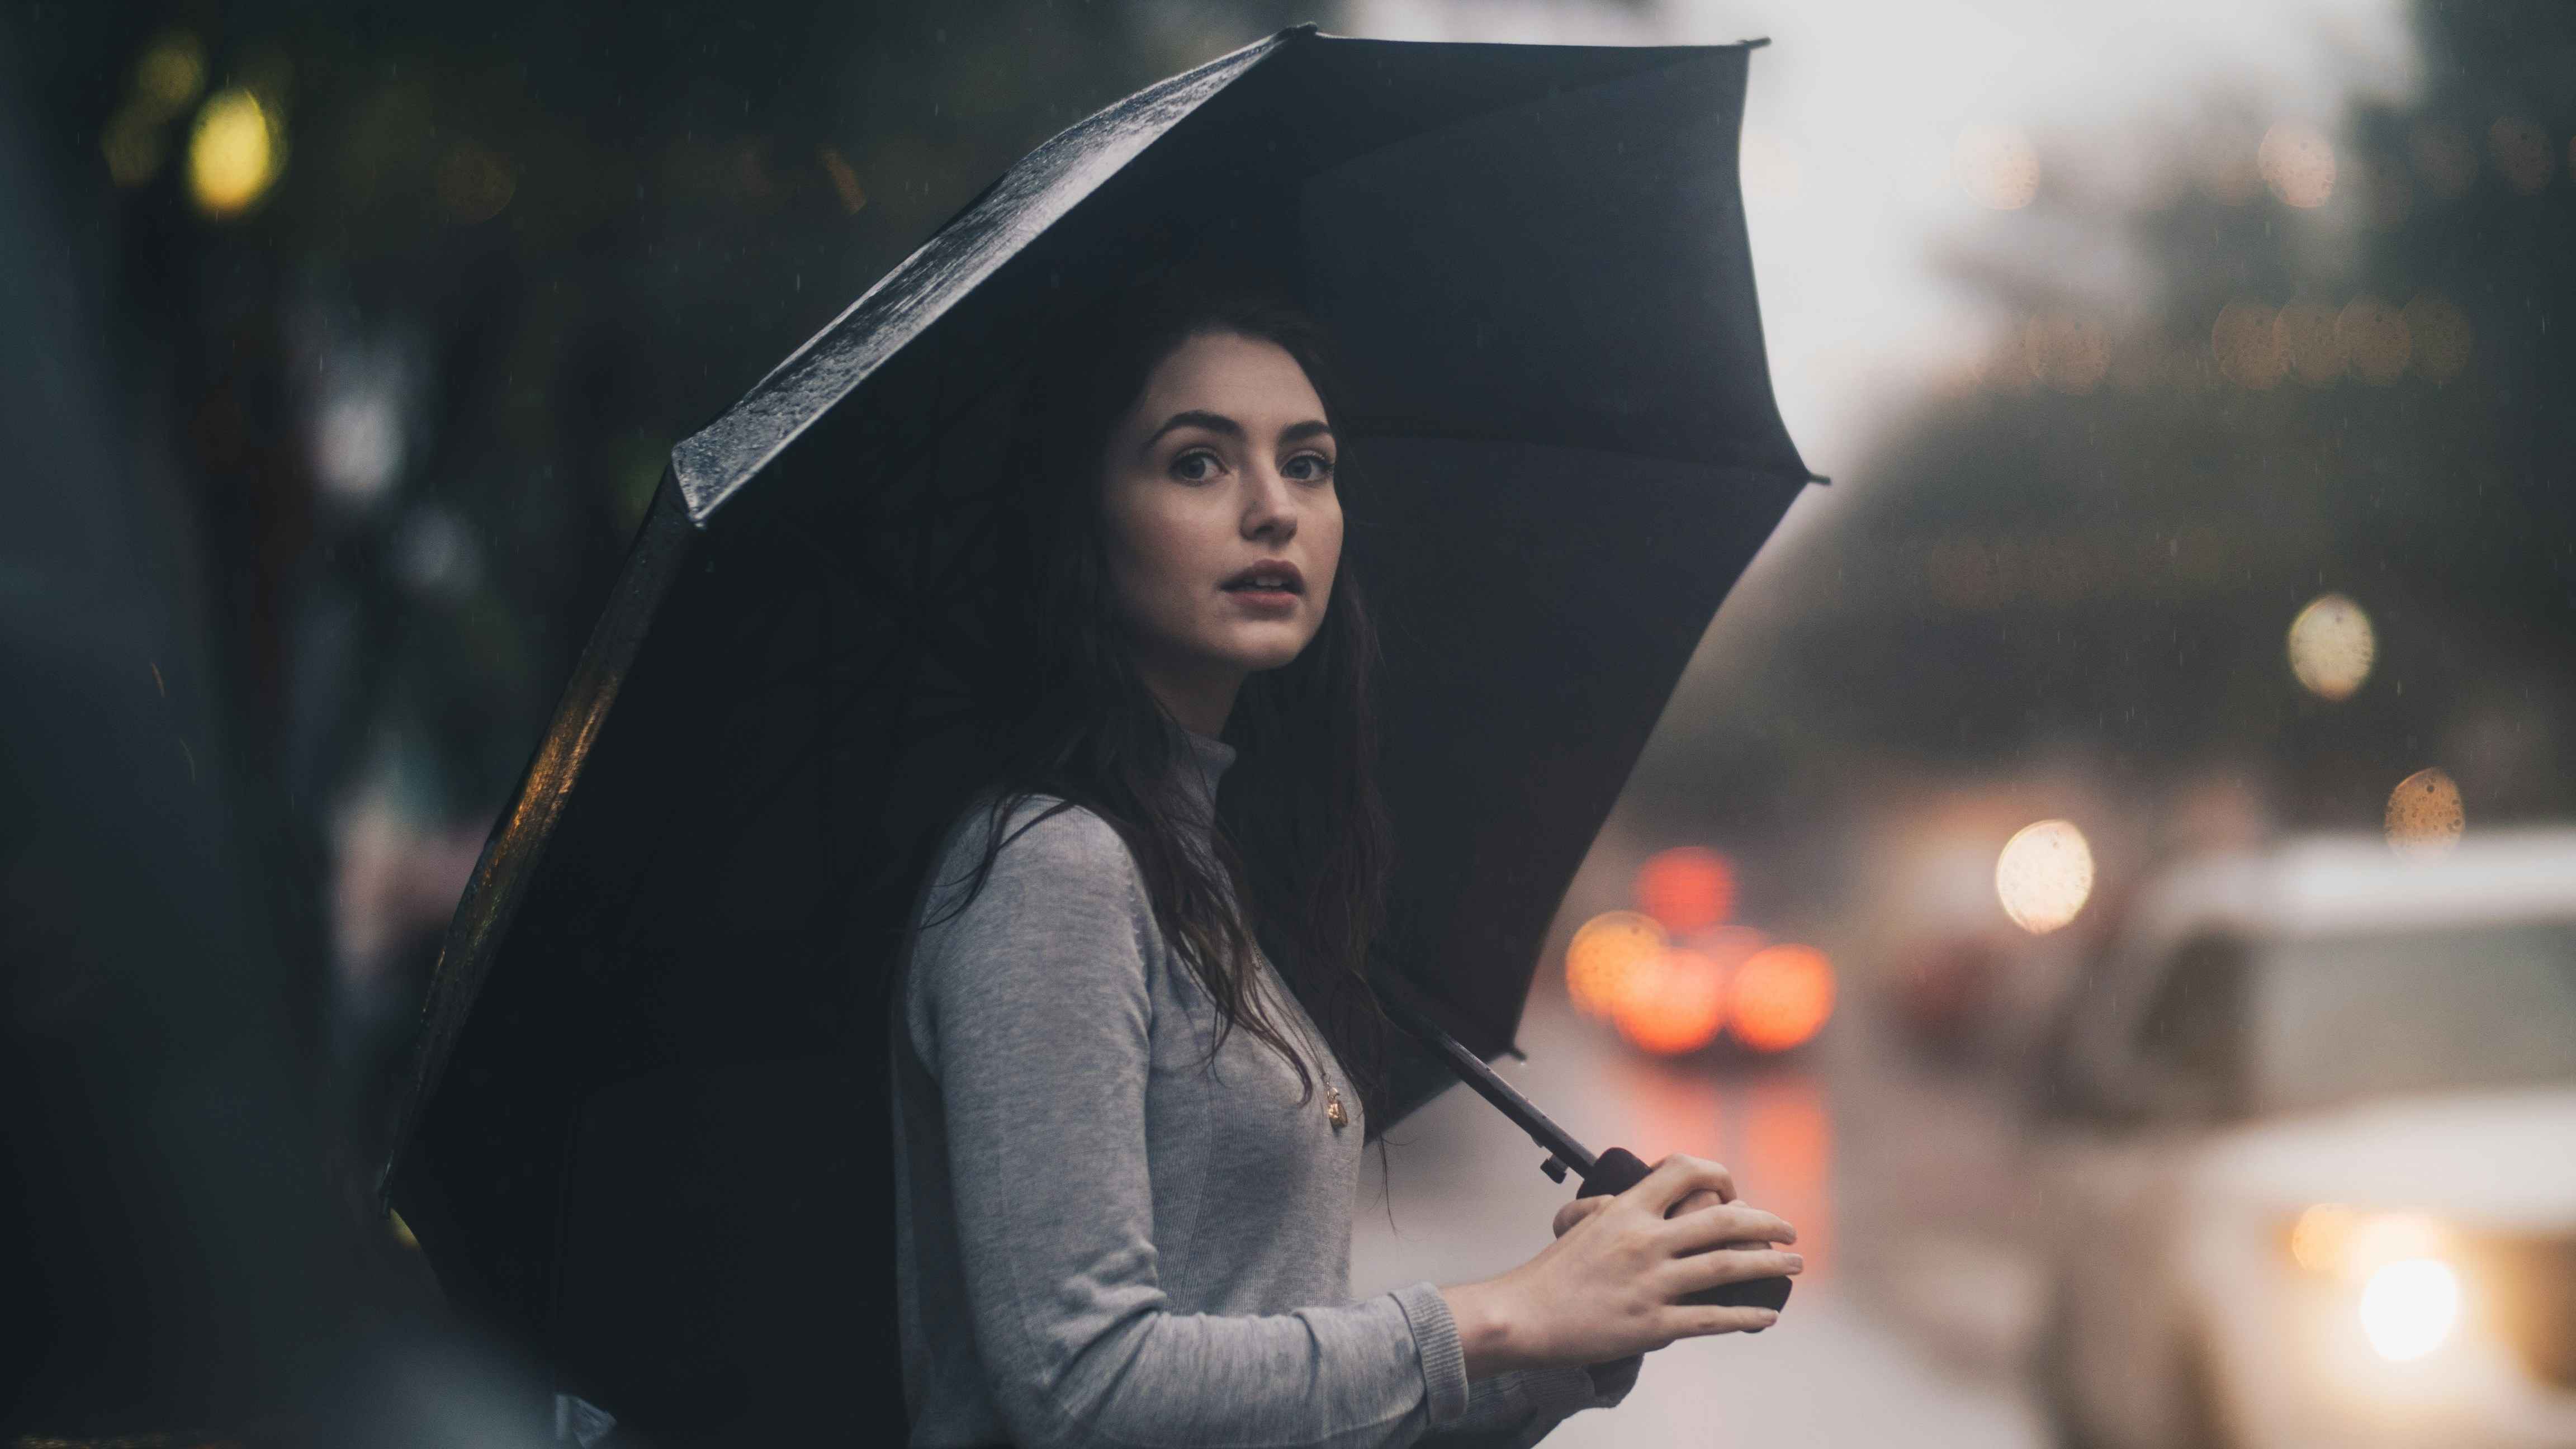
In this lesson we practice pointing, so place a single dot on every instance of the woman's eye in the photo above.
(1310, 468)
(1196, 466)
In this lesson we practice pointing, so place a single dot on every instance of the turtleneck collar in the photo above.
(1213, 756)
(1203, 763)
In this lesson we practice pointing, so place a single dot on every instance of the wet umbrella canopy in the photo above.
(649, 1130)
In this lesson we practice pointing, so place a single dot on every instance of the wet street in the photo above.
(1851, 1363)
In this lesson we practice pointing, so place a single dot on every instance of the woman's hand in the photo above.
(1610, 1284)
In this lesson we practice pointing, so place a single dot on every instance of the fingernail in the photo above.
(1770, 1316)
(1797, 1262)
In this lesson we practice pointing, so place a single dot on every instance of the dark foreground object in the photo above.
(648, 1132)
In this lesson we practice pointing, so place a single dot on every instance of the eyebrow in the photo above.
(1220, 423)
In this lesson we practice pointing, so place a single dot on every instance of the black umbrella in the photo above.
(648, 1128)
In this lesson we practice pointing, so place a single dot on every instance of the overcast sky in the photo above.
(1855, 114)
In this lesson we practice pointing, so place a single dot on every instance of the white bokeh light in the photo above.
(2409, 1308)
(2332, 647)
(2044, 875)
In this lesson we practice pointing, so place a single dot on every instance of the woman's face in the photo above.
(1223, 527)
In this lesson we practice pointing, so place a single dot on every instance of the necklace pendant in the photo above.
(1333, 1112)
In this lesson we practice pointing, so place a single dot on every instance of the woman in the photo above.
(1128, 1155)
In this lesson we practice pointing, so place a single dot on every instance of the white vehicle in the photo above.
(2307, 1159)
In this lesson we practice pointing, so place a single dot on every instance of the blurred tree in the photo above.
(2351, 376)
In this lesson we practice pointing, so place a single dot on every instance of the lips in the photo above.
(1270, 576)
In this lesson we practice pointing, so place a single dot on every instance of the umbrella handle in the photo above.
(1618, 1170)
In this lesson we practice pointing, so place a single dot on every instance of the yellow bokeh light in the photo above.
(2380, 1239)
(132, 146)
(2321, 1239)
(2310, 342)
(2298, 163)
(1608, 950)
(2246, 341)
(2044, 875)
(1997, 166)
(170, 74)
(2332, 647)
(234, 155)
(2425, 814)
(2375, 340)
(2344, 1242)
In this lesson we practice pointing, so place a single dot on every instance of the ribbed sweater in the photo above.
(1107, 1239)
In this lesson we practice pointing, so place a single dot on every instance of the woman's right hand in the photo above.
(1611, 1285)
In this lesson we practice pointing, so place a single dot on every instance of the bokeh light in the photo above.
(167, 79)
(133, 147)
(2409, 1308)
(1781, 997)
(2068, 351)
(1688, 888)
(1607, 950)
(2321, 1239)
(2380, 1239)
(1672, 1002)
(233, 156)
(2247, 345)
(2310, 342)
(2298, 163)
(1997, 166)
(170, 74)
(2425, 814)
(845, 181)
(2332, 647)
(2044, 875)
(2522, 154)
(2375, 340)
(2438, 336)
(474, 184)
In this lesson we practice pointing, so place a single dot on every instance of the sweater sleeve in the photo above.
(1035, 1017)
(1516, 1410)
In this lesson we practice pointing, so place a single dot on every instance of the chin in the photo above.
(1254, 652)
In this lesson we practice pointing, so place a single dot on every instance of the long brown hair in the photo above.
(1300, 833)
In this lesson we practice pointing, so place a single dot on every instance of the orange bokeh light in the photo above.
(1687, 888)
(1608, 950)
(1781, 998)
(1673, 1003)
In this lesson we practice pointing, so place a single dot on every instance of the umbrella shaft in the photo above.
(1472, 1070)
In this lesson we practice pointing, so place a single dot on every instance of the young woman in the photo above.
(1128, 1154)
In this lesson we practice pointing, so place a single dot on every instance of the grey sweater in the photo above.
(1107, 1241)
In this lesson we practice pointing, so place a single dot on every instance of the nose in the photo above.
(1269, 506)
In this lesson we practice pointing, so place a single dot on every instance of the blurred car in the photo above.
(2307, 1155)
